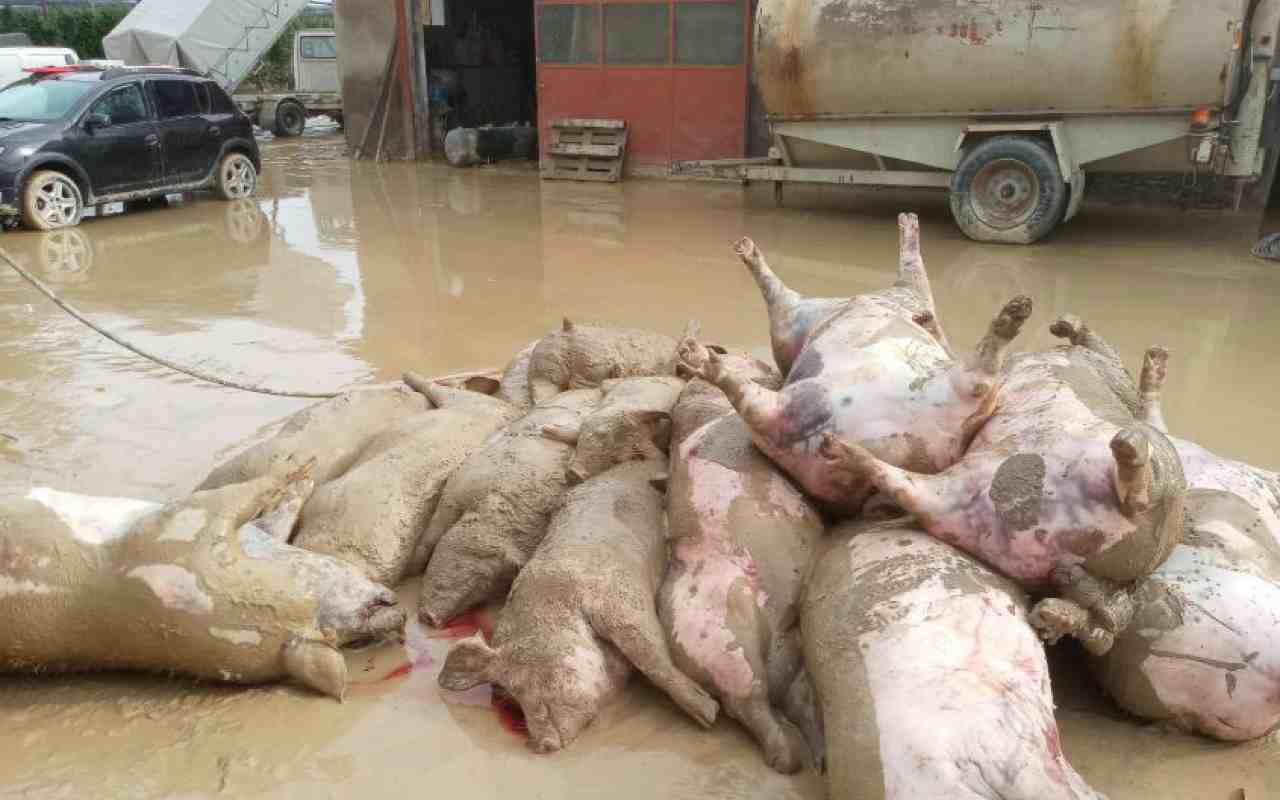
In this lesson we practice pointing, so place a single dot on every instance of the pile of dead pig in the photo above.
(857, 553)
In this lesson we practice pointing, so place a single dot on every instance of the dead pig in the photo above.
(496, 507)
(1203, 651)
(1063, 489)
(876, 372)
(930, 680)
(633, 421)
(374, 514)
(585, 356)
(191, 587)
(332, 432)
(581, 613)
(741, 537)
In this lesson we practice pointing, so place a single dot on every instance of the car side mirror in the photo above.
(95, 121)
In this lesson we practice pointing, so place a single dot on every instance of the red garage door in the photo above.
(675, 70)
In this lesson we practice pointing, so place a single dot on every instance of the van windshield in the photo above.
(41, 100)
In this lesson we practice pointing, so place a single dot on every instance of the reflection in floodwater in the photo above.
(343, 272)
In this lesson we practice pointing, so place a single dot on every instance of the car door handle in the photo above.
(214, 130)
(152, 139)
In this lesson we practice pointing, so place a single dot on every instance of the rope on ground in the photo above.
(192, 372)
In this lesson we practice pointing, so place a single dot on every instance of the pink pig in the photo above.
(875, 370)
(1203, 651)
(1064, 489)
(740, 537)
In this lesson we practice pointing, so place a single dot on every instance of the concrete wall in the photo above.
(383, 87)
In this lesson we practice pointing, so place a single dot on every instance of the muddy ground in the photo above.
(344, 273)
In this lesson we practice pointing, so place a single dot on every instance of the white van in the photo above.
(15, 61)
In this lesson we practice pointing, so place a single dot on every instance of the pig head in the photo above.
(581, 613)
(191, 587)
(584, 356)
(496, 507)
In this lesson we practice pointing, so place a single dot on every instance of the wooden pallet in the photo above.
(586, 150)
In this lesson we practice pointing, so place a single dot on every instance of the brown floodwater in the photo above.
(342, 273)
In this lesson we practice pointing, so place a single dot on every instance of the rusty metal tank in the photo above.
(833, 58)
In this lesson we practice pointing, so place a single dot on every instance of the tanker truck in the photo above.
(1009, 104)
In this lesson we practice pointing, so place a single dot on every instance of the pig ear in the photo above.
(715, 348)
(469, 664)
(567, 326)
(656, 424)
(659, 482)
(481, 384)
(316, 665)
(561, 433)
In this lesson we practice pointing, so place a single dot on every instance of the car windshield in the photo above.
(41, 99)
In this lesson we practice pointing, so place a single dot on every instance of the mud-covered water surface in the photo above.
(343, 273)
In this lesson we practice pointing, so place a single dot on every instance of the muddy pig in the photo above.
(1203, 651)
(930, 680)
(876, 372)
(374, 514)
(584, 356)
(1063, 489)
(496, 507)
(513, 386)
(581, 613)
(634, 420)
(741, 537)
(189, 587)
(332, 432)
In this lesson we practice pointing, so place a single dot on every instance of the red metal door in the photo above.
(675, 70)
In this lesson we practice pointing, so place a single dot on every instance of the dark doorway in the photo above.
(480, 64)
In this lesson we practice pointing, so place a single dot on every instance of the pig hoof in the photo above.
(1054, 618)
(1155, 366)
(1131, 448)
(744, 247)
(1015, 312)
(1069, 327)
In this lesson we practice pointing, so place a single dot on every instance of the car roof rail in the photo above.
(112, 73)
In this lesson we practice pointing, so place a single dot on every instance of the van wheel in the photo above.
(1008, 189)
(50, 201)
(291, 119)
(237, 177)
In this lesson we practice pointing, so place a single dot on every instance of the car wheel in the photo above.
(237, 177)
(291, 119)
(1008, 189)
(51, 201)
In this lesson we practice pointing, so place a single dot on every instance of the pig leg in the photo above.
(792, 316)
(929, 321)
(638, 635)
(1090, 608)
(470, 565)
(1150, 386)
(1074, 330)
(239, 503)
(793, 691)
(759, 407)
(988, 360)
(912, 274)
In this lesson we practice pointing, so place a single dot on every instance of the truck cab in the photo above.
(315, 61)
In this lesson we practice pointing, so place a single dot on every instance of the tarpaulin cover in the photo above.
(222, 38)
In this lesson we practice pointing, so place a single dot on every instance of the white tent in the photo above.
(222, 38)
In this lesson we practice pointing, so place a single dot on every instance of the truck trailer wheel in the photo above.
(291, 119)
(1008, 189)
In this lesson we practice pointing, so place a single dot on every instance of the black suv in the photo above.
(76, 137)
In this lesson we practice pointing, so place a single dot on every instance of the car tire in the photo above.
(291, 119)
(1010, 190)
(51, 200)
(237, 178)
